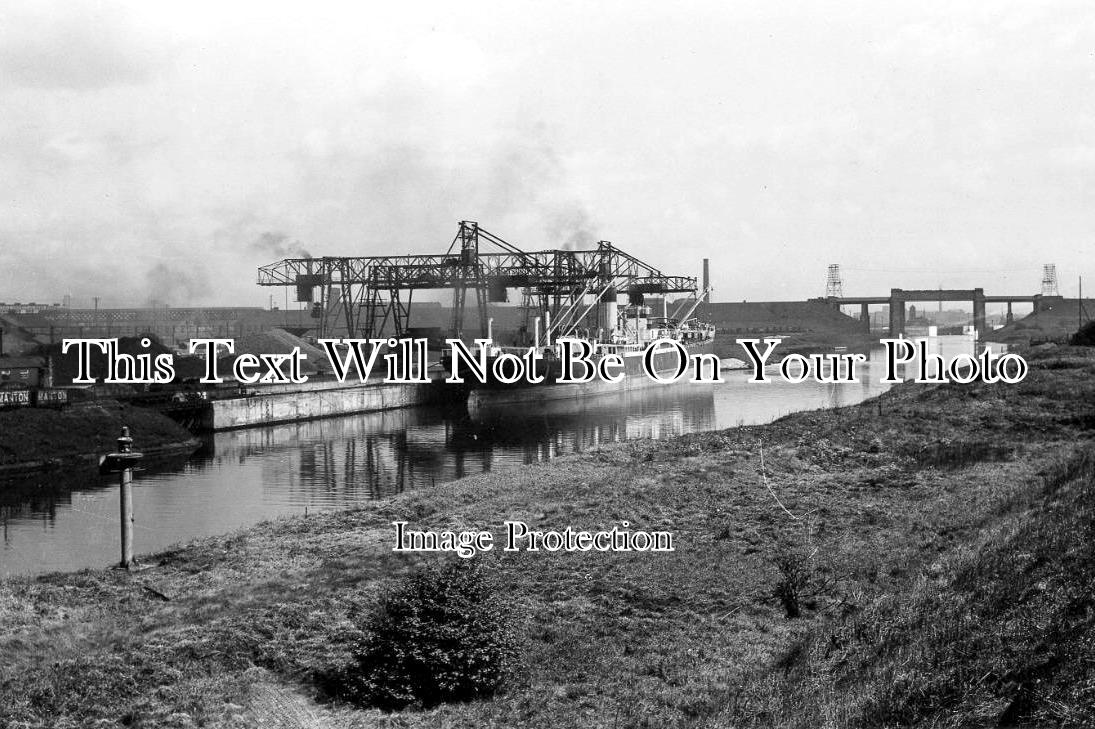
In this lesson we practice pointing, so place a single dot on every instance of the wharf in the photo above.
(307, 401)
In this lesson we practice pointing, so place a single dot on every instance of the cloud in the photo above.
(216, 140)
(526, 181)
(73, 46)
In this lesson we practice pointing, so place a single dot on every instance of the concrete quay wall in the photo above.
(265, 408)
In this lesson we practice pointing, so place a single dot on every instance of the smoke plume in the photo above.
(279, 245)
(176, 285)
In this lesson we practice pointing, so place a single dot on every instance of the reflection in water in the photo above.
(69, 519)
(342, 461)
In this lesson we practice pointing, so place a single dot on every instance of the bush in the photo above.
(441, 635)
(797, 583)
(791, 589)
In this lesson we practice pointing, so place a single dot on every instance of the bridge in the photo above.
(899, 298)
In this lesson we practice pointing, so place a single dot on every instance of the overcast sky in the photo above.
(164, 151)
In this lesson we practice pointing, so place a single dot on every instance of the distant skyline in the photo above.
(166, 150)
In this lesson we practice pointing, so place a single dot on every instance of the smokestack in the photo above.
(707, 280)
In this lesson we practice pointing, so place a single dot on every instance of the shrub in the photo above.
(794, 580)
(797, 584)
(441, 635)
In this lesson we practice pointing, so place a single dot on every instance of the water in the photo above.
(60, 522)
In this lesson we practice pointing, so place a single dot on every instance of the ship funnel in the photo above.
(607, 312)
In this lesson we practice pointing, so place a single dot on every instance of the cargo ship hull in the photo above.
(665, 362)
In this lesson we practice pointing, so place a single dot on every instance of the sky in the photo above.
(163, 151)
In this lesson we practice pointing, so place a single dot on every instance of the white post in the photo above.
(125, 479)
(125, 500)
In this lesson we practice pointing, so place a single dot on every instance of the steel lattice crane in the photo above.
(365, 293)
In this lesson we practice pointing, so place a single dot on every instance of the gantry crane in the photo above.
(367, 292)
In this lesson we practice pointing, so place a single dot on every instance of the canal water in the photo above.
(69, 521)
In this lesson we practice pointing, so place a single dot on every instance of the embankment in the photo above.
(912, 536)
(33, 438)
(1057, 321)
(804, 326)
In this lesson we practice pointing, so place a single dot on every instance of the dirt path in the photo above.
(274, 706)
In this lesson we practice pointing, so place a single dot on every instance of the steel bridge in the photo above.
(366, 293)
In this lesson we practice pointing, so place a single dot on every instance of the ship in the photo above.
(630, 334)
(567, 294)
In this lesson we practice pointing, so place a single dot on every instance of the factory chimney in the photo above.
(707, 280)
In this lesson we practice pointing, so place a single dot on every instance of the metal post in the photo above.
(122, 462)
(125, 501)
(125, 480)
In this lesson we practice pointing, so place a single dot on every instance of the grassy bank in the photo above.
(938, 543)
(35, 435)
(998, 632)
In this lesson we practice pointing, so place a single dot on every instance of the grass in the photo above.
(997, 633)
(907, 521)
(37, 434)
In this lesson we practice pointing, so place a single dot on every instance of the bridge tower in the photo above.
(1049, 280)
(834, 286)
